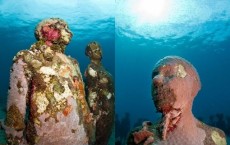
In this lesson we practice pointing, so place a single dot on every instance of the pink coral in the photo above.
(50, 34)
(53, 31)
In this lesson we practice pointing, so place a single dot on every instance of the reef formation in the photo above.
(175, 83)
(46, 101)
(100, 94)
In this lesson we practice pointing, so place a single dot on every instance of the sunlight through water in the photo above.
(150, 11)
(174, 18)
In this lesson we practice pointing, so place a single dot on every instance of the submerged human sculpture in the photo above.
(49, 84)
(175, 83)
(100, 93)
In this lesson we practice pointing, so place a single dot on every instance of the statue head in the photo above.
(175, 83)
(93, 51)
(53, 31)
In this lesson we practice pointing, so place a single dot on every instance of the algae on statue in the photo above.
(100, 94)
(48, 83)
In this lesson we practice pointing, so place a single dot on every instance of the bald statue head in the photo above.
(175, 83)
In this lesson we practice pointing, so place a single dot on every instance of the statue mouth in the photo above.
(163, 98)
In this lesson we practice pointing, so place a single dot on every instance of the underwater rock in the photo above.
(175, 83)
(100, 94)
(49, 84)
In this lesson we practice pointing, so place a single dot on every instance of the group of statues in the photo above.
(48, 102)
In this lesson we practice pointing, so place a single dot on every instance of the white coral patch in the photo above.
(109, 96)
(47, 71)
(20, 89)
(218, 139)
(41, 102)
(36, 63)
(92, 97)
(66, 93)
(65, 71)
(48, 50)
(181, 71)
(104, 80)
(46, 79)
(65, 35)
(92, 72)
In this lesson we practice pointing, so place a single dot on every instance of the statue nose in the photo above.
(157, 80)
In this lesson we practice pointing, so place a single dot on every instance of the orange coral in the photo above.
(141, 136)
(79, 86)
(67, 110)
(65, 71)
(89, 118)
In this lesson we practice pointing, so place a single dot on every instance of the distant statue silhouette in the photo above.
(100, 93)
(118, 127)
(49, 84)
(175, 83)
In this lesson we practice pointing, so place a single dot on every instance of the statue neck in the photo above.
(96, 62)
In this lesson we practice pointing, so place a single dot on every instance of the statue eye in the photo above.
(167, 73)
(154, 73)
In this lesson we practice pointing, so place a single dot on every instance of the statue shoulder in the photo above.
(213, 134)
(73, 60)
(25, 55)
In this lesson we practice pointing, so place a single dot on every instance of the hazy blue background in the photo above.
(89, 20)
(197, 30)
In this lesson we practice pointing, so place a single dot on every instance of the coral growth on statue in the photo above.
(100, 94)
(49, 84)
(175, 83)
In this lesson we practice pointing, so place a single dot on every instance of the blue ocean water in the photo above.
(89, 20)
(197, 30)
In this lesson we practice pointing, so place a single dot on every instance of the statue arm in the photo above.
(14, 124)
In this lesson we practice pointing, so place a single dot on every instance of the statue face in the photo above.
(170, 87)
(175, 83)
(95, 51)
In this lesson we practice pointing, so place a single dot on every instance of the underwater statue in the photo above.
(46, 102)
(100, 94)
(175, 83)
